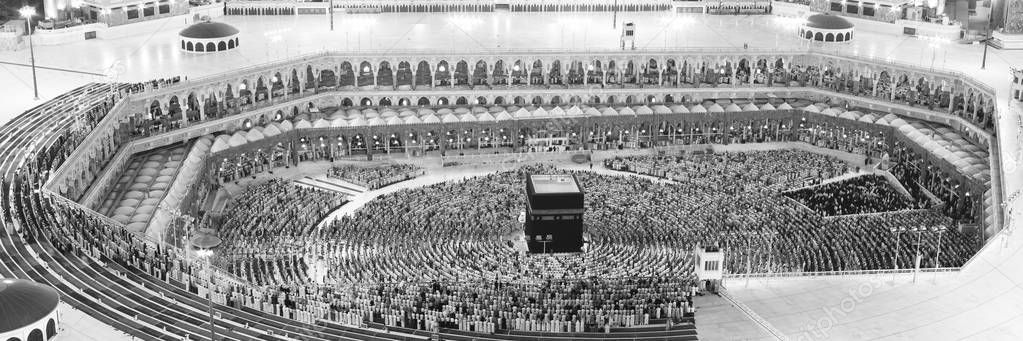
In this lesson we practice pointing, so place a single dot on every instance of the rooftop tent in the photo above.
(868, 118)
(286, 126)
(485, 117)
(376, 121)
(394, 120)
(338, 123)
(512, 108)
(626, 111)
(354, 111)
(574, 111)
(478, 109)
(591, 112)
(468, 117)
(414, 120)
(643, 110)
(303, 124)
(750, 107)
(431, 118)
(253, 135)
(302, 117)
(679, 109)
(220, 144)
(784, 106)
(811, 108)
(358, 122)
(503, 115)
(388, 113)
(337, 114)
(425, 111)
(715, 108)
(897, 123)
(732, 107)
(661, 109)
(540, 112)
(321, 123)
(523, 113)
(698, 109)
(237, 139)
(407, 113)
(851, 115)
(882, 121)
(906, 128)
(496, 109)
(461, 110)
(557, 112)
(609, 112)
(767, 106)
(368, 114)
(444, 111)
(891, 117)
(450, 118)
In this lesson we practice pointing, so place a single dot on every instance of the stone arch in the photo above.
(200, 48)
(365, 102)
(347, 76)
(210, 47)
(461, 73)
(404, 102)
(443, 74)
(385, 102)
(190, 46)
(443, 101)
(423, 74)
(365, 73)
(829, 37)
(537, 100)
(499, 100)
(479, 73)
(461, 101)
(221, 46)
(818, 37)
(346, 102)
(556, 100)
(423, 101)
(230, 44)
(403, 76)
(481, 100)
(36, 334)
(499, 75)
(519, 100)
(385, 76)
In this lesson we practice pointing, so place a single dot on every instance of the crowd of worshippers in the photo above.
(374, 176)
(264, 225)
(735, 172)
(154, 84)
(858, 195)
(646, 235)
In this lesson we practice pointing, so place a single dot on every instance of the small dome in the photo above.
(24, 302)
(828, 22)
(208, 30)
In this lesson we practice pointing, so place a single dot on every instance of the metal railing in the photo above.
(841, 273)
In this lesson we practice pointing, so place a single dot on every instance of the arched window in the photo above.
(210, 47)
(199, 48)
(190, 47)
(35, 335)
(222, 46)
(829, 37)
(182, 44)
(808, 34)
(848, 35)
(230, 44)
(818, 37)
(51, 329)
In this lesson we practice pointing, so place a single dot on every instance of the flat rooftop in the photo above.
(550, 184)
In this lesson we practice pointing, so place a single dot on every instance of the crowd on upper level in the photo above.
(858, 195)
(375, 176)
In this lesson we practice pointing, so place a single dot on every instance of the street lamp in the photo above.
(204, 245)
(28, 12)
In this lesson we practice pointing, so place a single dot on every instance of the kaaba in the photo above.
(554, 214)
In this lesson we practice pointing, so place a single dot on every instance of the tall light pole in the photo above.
(204, 245)
(28, 12)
